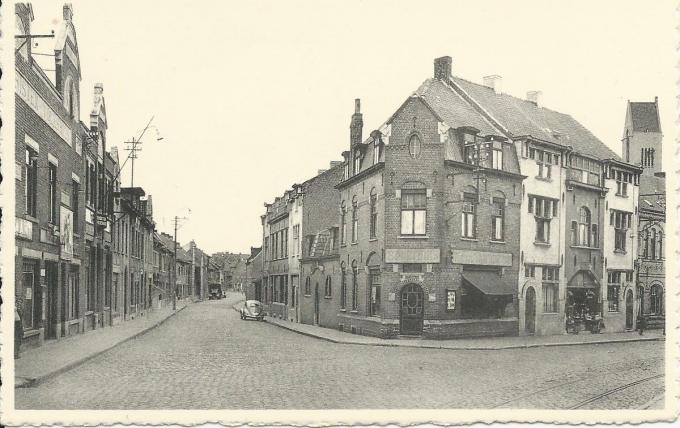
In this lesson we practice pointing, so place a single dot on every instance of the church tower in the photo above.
(642, 136)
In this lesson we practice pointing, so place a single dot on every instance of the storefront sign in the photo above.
(450, 300)
(66, 229)
(41, 108)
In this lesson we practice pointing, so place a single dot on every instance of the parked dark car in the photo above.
(252, 309)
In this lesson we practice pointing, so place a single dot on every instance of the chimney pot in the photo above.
(442, 67)
(535, 97)
(356, 125)
(68, 11)
(494, 82)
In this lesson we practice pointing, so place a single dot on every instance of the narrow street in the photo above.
(207, 358)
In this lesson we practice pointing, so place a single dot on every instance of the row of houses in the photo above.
(471, 212)
(88, 254)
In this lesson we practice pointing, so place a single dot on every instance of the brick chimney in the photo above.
(494, 82)
(68, 12)
(357, 124)
(442, 67)
(535, 97)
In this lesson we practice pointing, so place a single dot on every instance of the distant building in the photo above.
(642, 145)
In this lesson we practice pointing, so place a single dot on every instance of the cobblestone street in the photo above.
(206, 357)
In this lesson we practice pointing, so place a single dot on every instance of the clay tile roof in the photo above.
(523, 118)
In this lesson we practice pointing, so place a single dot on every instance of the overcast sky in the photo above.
(251, 97)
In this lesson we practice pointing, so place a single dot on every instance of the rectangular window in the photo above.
(75, 190)
(374, 215)
(413, 212)
(357, 161)
(29, 315)
(530, 271)
(376, 152)
(31, 186)
(375, 292)
(613, 288)
(621, 183)
(469, 216)
(497, 158)
(52, 190)
(497, 219)
(621, 221)
(544, 209)
(550, 297)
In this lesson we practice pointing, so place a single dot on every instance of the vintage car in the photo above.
(252, 309)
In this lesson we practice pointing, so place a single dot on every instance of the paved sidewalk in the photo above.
(39, 364)
(481, 343)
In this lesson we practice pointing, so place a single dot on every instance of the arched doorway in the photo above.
(530, 311)
(411, 309)
(316, 304)
(629, 309)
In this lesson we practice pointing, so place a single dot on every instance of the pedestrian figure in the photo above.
(18, 332)
(641, 325)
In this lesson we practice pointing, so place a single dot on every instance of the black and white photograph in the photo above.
(360, 212)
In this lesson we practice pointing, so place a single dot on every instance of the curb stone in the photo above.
(29, 382)
(457, 348)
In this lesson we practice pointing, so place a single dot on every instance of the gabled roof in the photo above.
(524, 118)
(645, 117)
(452, 108)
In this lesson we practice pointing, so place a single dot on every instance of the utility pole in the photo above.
(175, 221)
(133, 149)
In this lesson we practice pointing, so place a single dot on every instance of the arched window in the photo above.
(343, 223)
(652, 247)
(660, 239)
(328, 289)
(374, 213)
(355, 286)
(584, 227)
(343, 286)
(656, 299)
(308, 287)
(355, 220)
(414, 146)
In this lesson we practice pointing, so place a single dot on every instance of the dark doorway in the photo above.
(411, 310)
(530, 311)
(52, 299)
(629, 309)
(316, 304)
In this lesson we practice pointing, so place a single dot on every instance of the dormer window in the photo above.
(357, 161)
(376, 151)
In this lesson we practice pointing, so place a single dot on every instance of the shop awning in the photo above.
(583, 279)
(490, 283)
